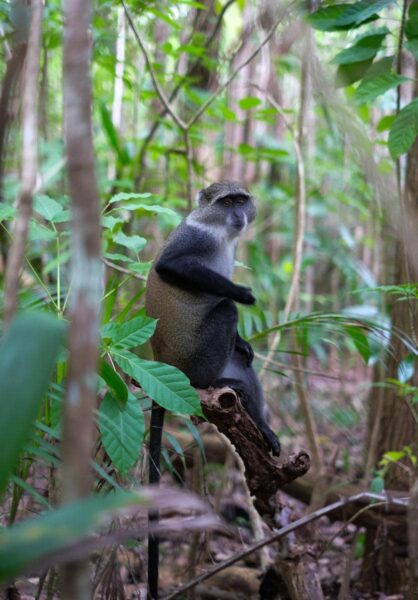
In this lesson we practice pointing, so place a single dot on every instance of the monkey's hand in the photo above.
(245, 348)
(243, 295)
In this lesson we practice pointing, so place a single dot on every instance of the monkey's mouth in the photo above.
(238, 224)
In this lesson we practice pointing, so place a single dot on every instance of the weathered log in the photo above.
(264, 474)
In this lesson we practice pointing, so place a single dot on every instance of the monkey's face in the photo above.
(233, 212)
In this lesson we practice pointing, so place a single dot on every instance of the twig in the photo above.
(157, 86)
(313, 516)
(29, 162)
(281, 365)
(112, 265)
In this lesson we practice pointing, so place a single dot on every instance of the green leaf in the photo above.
(337, 17)
(365, 48)
(40, 233)
(370, 89)
(109, 221)
(165, 384)
(114, 381)
(360, 340)
(348, 74)
(411, 25)
(377, 485)
(122, 196)
(131, 333)
(359, 12)
(385, 123)
(112, 135)
(133, 242)
(249, 102)
(404, 130)
(46, 207)
(7, 212)
(27, 357)
(412, 46)
(122, 430)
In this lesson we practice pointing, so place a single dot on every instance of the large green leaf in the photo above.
(27, 356)
(365, 48)
(122, 430)
(337, 17)
(131, 333)
(165, 384)
(370, 89)
(404, 130)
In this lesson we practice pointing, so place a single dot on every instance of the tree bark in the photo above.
(386, 565)
(87, 273)
(29, 162)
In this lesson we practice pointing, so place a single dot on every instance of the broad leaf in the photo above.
(370, 89)
(27, 357)
(365, 48)
(122, 430)
(114, 381)
(7, 211)
(165, 384)
(133, 242)
(404, 130)
(338, 17)
(348, 74)
(47, 207)
(131, 333)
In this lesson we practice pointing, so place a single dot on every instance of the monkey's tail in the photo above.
(156, 431)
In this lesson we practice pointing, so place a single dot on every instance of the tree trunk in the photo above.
(86, 276)
(386, 565)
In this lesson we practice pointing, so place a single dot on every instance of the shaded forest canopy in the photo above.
(112, 117)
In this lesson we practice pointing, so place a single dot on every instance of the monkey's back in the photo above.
(180, 314)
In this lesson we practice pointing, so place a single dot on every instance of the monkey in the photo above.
(190, 292)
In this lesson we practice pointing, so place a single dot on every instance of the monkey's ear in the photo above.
(201, 199)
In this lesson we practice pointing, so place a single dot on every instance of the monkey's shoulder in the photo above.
(189, 240)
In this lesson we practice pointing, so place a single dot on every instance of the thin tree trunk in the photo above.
(78, 428)
(29, 162)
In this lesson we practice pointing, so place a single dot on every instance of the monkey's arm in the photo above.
(189, 273)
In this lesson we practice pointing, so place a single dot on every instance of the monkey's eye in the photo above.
(227, 201)
(240, 200)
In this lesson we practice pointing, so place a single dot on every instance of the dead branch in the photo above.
(29, 162)
(264, 474)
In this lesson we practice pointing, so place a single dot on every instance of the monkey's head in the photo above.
(227, 203)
